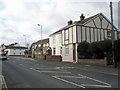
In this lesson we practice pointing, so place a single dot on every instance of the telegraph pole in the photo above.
(112, 35)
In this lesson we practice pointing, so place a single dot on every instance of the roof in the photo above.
(17, 47)
(43, 41)
(56, 32)
(87, 19)
(82, 22)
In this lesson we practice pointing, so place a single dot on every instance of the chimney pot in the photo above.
(70, 22)
(82, 17)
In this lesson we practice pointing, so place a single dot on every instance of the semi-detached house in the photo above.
(64, 42)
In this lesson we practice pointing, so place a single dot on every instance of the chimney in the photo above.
(70, 22)
(82, 17)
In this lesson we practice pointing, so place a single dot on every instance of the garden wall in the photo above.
(100, 62)
(49, 57)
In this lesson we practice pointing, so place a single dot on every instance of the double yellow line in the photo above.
(4, 85)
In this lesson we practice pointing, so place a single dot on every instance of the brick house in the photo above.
(40, 47)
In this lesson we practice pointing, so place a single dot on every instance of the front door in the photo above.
(74, 52)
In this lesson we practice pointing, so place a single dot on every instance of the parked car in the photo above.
(3, 57)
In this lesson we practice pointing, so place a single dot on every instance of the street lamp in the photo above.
(25, 39)
(41, 38)
(41, 30)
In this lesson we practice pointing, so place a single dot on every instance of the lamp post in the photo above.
(25, 39)
(41, 39)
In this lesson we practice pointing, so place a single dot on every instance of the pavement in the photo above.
(22, 72)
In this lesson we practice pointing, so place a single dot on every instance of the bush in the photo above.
(105, 46)
(83, 49)
(95, 50)
(99, 49)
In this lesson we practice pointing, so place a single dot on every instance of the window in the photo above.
(54, 51)
(53, 39)
(66, 34)
(109, 34)
(66, 50)
(39, 45)
(60, 38)
(47, 44)
(44, 45)
(60, 50)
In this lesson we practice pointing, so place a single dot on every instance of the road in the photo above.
(21, 72)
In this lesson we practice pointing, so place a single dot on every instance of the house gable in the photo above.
(99, 21)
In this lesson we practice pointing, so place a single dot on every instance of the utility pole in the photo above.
(112, 35)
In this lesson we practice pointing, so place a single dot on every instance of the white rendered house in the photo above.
(56, 43)
(16, 50)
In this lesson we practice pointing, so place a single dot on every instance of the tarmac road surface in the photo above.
(21, 72)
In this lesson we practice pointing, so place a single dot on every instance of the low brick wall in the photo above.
(27, 55)
(100, 62)
(54, 58)
(49, 57)
(40, 56)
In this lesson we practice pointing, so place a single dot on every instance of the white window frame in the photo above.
(53, 39)
(66, 49)
(60, 38)
(66, 34)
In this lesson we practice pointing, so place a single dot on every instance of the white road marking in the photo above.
(95, 85)
(34, 69)
(4, 85)
(106, 84)
(64, 67)
(54, 72)
(22, 65)
(88, 65)
(69, 82)
(46, 68)
(47, 71)
(71, 76)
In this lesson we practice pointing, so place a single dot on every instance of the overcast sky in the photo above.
(20, 17)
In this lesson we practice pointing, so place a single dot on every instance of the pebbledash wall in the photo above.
(94, 28)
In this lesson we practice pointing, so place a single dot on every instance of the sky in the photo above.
(19, 18)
